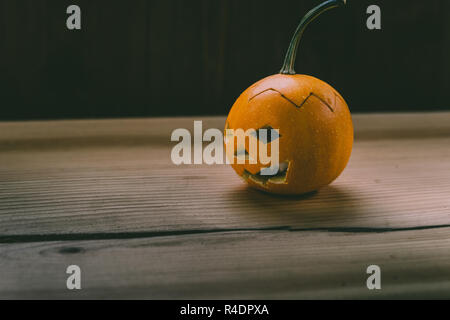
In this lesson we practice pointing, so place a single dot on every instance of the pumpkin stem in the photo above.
(289, 60)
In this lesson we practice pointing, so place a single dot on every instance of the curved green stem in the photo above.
(289, 60)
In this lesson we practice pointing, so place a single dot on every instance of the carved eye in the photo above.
(267, 134)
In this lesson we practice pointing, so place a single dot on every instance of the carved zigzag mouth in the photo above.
(278, 178)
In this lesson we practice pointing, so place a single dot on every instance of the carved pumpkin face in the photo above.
(315, 132)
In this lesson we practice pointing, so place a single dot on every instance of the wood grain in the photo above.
(240, 265)
(147, 228)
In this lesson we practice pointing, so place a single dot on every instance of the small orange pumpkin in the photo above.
(314, 123)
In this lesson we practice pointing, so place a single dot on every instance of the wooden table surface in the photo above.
(104, 195)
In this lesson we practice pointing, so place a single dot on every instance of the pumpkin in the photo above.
(315, 129)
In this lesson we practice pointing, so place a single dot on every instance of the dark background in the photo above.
(194, 57)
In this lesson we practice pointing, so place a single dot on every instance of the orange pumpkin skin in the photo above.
(315, 127)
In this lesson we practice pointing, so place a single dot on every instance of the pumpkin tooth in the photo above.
(283, 166)
(280, 177)
(242, 154)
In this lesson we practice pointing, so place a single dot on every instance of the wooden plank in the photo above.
(238, 265)
(104, 195)
(115, 176)
(367, 126)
